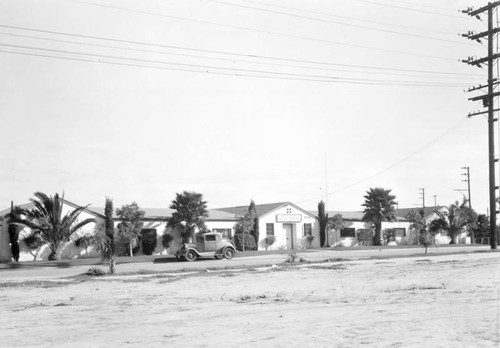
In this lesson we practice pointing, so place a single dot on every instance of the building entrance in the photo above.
(290, 242)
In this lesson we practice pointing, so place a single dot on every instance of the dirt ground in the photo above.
(440, 301)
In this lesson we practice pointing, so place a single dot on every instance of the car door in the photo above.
(210, 242)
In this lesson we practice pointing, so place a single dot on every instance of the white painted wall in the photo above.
(300, 242)
(5, 254)
(336, 240)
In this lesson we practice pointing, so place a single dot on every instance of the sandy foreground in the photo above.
(440, 301)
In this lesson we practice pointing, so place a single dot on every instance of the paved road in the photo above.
(47, 273)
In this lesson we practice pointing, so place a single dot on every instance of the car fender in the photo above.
(228, 247)
(192, 249)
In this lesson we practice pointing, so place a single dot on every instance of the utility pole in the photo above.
(488, 101)
(467, 180)
(422, 193)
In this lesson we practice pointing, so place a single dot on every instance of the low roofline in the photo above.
(85, 208)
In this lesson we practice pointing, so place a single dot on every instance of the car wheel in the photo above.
(228, 253)
(190, 255)
(218, 256)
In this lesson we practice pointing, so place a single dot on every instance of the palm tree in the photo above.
(14, 231)
(47, 220)
(190, 213)
(323, 224)
(104, 238)
(454, 219)
(379, 206)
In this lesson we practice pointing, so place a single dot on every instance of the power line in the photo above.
(264, 31)
(395, 164)
(341, 23)
(232, 60)
(227, 53)
(421, 5)
(302, 10)
(238, 70)
(409, 9)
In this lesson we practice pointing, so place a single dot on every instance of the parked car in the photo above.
(208, 245)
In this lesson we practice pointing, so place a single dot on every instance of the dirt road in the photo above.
(440, 301)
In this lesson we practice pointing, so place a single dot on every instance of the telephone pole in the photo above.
(488, 102)
(467, 180)
(422, 193)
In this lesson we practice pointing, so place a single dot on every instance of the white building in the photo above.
(291, 226)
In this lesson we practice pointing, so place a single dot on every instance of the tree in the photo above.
(379, 206)
(105, 240)
(244, 227)
(243, 237)
(453, 220)
(323, 223)
(47, 219)
(166, 240)
(130, 226)
(148, 241)
(255, 231)
(482, 227)
(336, 223)
(426, 237)
(190, 213)
(84, 242)
(13, 230)
(269, 240)
(32, 243)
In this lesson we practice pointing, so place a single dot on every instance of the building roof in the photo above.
(403, 212)
(6, 211)
(231, 213)
(261, 209)
(348, 215)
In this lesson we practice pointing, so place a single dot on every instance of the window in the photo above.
(307, 230)
(270, 229)
(210, 238)
(347, 233)
(389, 235)
(400, 232)
(226, 232)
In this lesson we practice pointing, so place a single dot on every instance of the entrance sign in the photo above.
(288, 218)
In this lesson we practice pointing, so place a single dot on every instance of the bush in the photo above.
(122, 245)
(269, 240)
(149, 238)
(294, 257)
(166, 240)
(95, 272)
(249, 241)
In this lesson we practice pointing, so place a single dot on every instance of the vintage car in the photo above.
(208, 245)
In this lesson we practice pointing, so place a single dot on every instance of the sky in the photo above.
(269, 100)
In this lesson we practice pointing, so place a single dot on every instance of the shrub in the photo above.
(249, 241)
(166, 240)
(269, 240)
(123, 245)
(149, 238)
(95, 272)
(33, 243)
(84, 242)
(294, 257)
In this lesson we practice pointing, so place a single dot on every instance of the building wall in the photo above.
(336, 239)
(283, 219)
(5, 254)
